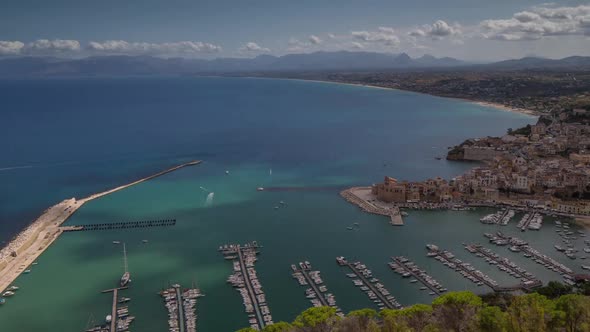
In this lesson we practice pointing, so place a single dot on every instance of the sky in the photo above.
(475, 30)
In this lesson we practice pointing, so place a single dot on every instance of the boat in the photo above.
(124, 299)
(126, 278)
(116, 242)
(13, 288)
(438, 158)
(226, 172)
(559, 248)
(2, 300)
(27, 271)
(514, 249)
(404, 214)
(260, 189)
(7, 293)
(586, 267)
(349, 228)
(431, 247)
(144, 241)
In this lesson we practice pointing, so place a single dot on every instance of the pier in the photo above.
(244, 278)
(318, 292)
(502, 217)
(369, 284)
(534, 254)
(120, 320)
(465, 269)
(120, 225)
(355, 196)
(181, 305)
(528, 281)
(407, 268)
(29, 244)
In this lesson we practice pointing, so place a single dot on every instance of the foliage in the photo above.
(492, 319)
(320, 319)
(278, 327)
(554, 290)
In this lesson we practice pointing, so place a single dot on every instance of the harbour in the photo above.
(318, 291)
(181, 306)
(407, 268)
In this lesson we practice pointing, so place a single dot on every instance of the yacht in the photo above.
(260, 189)
(13, 288)
(7, 293)
(126, 278)
(431, 247)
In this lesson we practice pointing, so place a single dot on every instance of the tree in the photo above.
(361, 318)
(531, 313)
(457, 311)
(492, 319)
(576, 312)
(316, 319)
(554, 290)
(278, 327)
(247, 329)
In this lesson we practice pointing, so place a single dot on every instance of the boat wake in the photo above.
(15, 167)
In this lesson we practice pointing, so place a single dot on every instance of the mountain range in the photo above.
(318, 61)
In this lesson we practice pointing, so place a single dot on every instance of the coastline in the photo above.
(498, 106)
(21, 251)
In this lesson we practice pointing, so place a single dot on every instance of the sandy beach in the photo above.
(30, 243)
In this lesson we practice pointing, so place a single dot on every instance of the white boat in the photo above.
(7, 293)
(260, 189)
(226, 172)
(126, 278)
(116, 242)
(13, 288)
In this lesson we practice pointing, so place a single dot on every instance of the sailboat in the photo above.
(126, 278)
(270, 172)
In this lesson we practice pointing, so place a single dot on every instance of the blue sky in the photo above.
(468, 29)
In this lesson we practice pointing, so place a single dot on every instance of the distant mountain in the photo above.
(145, 65)
(317, 61)
(573, 62)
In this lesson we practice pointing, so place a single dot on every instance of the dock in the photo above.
(120, 225)
(363, 278)
(181, 305)
(528, 280)
(353, 196)
(534, 254)
(318, 293)
(245, 280)
(407, 268)
(120, 320)
(465, 269)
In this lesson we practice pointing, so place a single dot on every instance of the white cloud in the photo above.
(539, 22)
(437, 30)
(315, 40)
(56, 46)
(252, 47)
(10, 47)
(141, 48)
(383, 35)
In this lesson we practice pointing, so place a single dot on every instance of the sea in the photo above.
(302, 141)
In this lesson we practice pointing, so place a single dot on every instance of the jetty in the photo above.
(534, 254)
(245, 280)
(359, 197)
(318, 291)
(119, 319)
(448, 259)
(120, 225)
(502, 217)
(181, 305)
(406, 268)
(363, 278)
(29, 244)
(528, 280)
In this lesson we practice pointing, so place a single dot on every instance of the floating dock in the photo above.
(181, 305)
(318, 293)
(245, 280)
(465, 269)
(406, 268)
(528, 281)
(363, 278)
(120, 225)
(535, 255)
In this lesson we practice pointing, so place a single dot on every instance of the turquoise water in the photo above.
(323, 137)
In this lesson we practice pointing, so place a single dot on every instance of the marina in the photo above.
(502, 217)
(465, 269)
(181, 305)
(527, 280)
(531, 220)
(245, 280)
(406, 268)
(363, 278)
(119, 319)
(535, 255)
(318, 292)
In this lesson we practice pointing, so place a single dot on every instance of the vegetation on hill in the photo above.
(555, 307)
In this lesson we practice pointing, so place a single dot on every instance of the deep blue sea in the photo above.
(74, 137)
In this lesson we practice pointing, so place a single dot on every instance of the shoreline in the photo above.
(23, 249)
(497, 106)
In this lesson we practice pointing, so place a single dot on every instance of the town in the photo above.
(545, 166)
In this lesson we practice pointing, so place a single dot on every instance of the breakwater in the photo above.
(29, 244)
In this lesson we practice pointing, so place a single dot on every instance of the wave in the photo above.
(15, 167)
